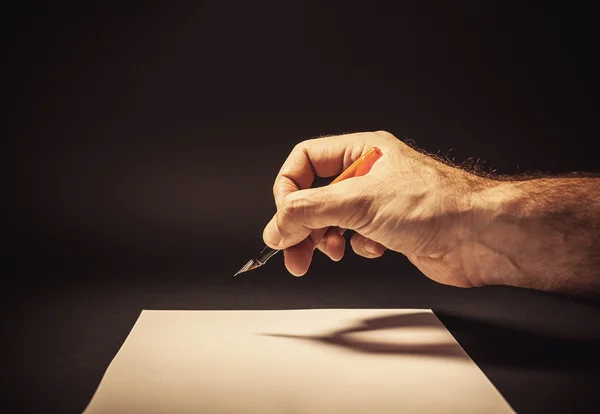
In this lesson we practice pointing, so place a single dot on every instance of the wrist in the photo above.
(498, 213)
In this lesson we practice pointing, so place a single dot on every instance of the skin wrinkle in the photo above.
(344, 160)
(503, 224)
(279, 227)
(315, 241)
(475, 277)
(505, 257)
(310, 163)
(380, 217)
(370, 225)
(419, 215)
(350, 157)
(362, 203)
(426, 239)
(467, 280)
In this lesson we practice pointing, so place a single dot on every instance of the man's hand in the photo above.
(456, 227)
(408, 202)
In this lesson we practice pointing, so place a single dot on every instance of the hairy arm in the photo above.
(541, 234)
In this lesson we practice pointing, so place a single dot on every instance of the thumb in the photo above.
(345, 204)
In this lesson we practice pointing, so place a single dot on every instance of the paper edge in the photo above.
(111, 362)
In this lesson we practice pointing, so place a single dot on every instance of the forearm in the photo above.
(540, 234)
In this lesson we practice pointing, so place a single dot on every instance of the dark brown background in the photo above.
(141, 143)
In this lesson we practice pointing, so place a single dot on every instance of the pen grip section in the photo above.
(265, 254)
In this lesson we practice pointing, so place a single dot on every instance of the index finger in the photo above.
(323, 157)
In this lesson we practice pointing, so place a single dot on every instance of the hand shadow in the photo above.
(341, 338)
(486, 342)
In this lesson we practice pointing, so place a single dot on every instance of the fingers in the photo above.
(297, 258)
(366, 247)
(303, 212)
(324, 157)
(333, 244)
(345, 204)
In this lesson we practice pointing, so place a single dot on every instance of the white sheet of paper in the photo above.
(293, 361)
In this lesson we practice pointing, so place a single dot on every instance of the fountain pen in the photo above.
(358, 168)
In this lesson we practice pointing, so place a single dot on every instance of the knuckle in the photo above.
(292, 207)
(280, 186)
(301, 146)
(276, 185)
(384, 134)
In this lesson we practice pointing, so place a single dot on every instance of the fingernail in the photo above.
(369, 247)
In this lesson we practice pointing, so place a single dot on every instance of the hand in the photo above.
(408, 202)
(456, 227)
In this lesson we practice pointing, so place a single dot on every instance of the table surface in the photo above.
(64, 327)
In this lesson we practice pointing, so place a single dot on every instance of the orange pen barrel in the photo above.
(361, 166)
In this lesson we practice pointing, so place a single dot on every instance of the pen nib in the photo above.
(251, 265)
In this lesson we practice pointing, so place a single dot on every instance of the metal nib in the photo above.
(251, 265)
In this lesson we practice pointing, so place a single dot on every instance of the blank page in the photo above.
(293, 361)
